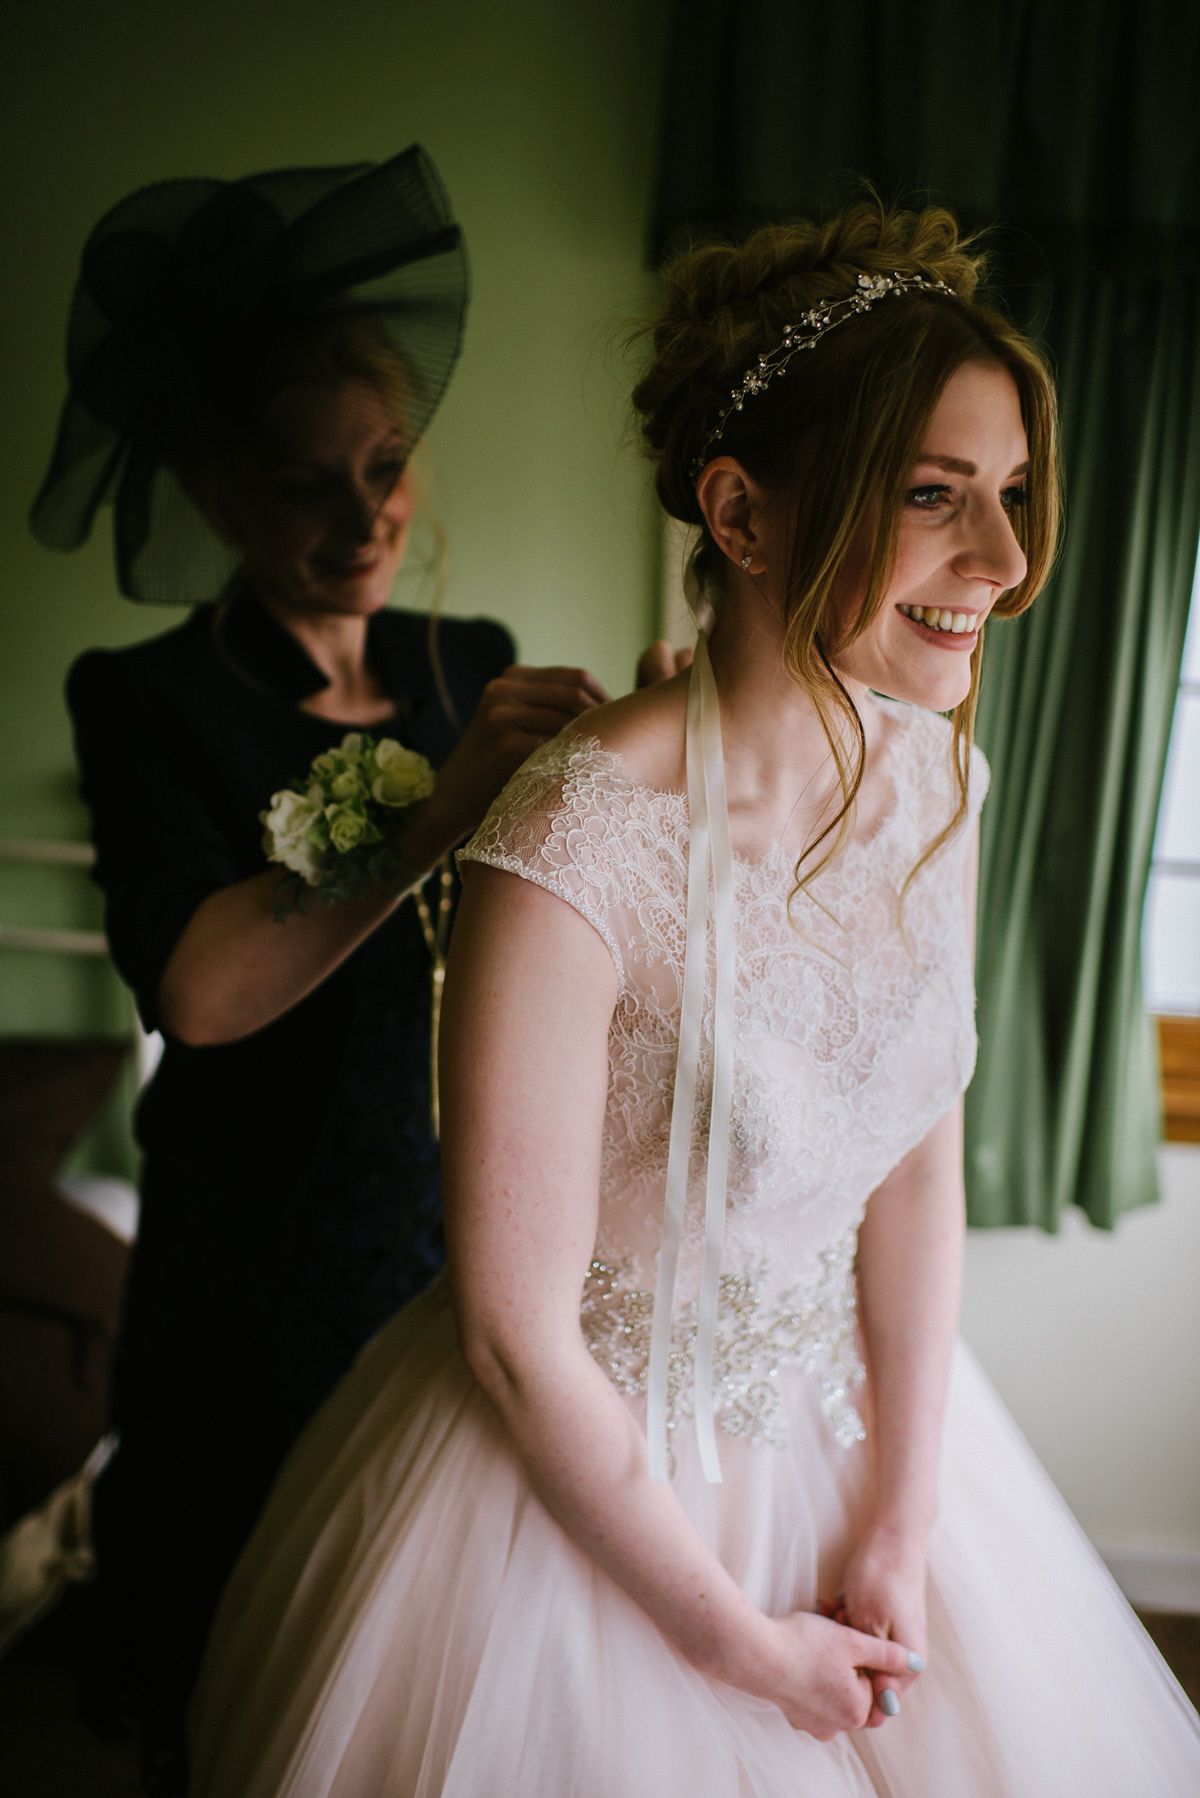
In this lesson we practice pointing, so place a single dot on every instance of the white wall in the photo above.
(1093, 1340)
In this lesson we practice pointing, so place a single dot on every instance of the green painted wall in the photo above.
(540, 115)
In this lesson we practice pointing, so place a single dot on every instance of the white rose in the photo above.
(289, 822)
(402, 775)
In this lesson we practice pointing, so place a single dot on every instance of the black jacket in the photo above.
(291, 1199)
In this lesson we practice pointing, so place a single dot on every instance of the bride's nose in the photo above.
(992, 552)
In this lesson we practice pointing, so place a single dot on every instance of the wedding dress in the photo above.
(408, 1621)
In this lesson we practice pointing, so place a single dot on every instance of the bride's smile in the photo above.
(956, 550)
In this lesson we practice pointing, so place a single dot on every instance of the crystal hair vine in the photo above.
(806, 333)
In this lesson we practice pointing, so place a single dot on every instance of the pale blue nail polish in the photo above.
(889, 1704)
(916, 1662)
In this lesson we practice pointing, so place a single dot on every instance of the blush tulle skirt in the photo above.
(408, 1621)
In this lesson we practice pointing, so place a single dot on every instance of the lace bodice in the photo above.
(854, 1033)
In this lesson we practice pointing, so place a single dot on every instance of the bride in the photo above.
(681, 1488)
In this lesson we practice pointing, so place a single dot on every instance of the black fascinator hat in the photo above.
(185, 280)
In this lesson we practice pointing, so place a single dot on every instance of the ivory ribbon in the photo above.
(708, 848)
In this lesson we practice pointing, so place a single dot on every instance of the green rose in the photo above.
(348, 828)
(346, 785)
(340, 764)
(402, 777)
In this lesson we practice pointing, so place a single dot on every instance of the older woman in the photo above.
(252, 364)
(679, 1487)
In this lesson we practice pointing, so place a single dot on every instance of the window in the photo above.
(1171, 928)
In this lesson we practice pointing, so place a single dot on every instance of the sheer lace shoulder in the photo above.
(928, 769)
(570, 821)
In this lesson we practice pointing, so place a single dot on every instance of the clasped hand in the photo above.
(883, 1596)
(826, 1676)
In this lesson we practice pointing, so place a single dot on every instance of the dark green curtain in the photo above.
(1075, 714)
(1074, 129)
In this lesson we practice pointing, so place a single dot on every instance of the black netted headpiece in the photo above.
(178, 273)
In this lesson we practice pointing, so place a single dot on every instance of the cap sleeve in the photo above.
(558, 824)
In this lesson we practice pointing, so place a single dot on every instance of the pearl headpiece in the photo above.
(806, 333)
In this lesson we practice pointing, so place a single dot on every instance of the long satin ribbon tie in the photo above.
(708, 849)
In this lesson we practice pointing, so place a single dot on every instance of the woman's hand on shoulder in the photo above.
(659, 662)
(822, 1674)
(518, 712)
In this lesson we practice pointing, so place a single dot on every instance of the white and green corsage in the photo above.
(337, 830)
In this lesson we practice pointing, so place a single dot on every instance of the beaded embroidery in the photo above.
(811, 1326)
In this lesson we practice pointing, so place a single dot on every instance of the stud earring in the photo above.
(747, 559)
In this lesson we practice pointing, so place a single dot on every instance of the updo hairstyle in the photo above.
(837, 435)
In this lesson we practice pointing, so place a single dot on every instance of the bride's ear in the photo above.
(732, 503)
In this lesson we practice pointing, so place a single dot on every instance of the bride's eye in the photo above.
(1013, 498)
(927, 499)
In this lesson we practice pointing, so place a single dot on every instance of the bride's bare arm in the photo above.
(529, 997)
(910, 1273)
(909, 1270)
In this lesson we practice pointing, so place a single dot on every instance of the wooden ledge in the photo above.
(1179, 1057)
